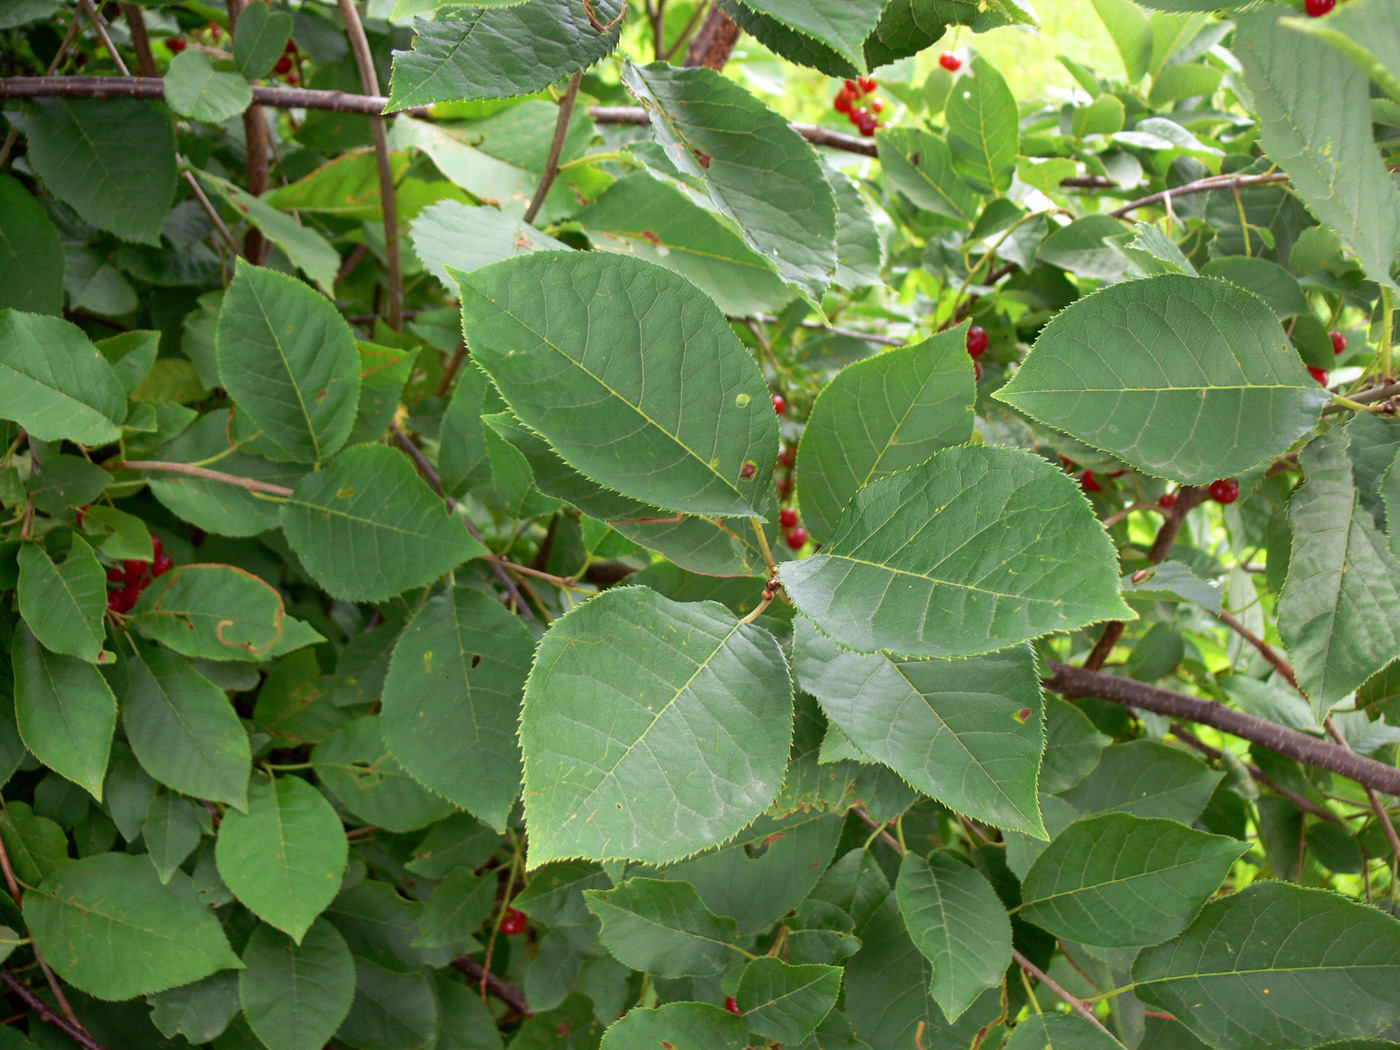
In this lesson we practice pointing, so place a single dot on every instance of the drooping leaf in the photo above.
(860, 250)
(183, 729)
(295, 995)
(758, 171)
(194, 89)
(786, 1002)
(1052, 1031)
(498, 52)
(31, 257)
(841, 25)
(663, 928)
(1187, 378)
(966, 732)
(880, 416)
(55, 383)
(630, 372)
(1277, 966)
(172, 832)
(367, 527)
(303, 245)
(200, 1012)
(111, 160)
(355, 766)
(108, 926)
(259, 39)
(651, 757)
(1120, 881)
(285, 857)
(1339, 609)
(899, 575)
(983, 127)
(452, 234)
(685, 1026)
(390, 1011)
(458, 906)
(1322, 139)
(1072, 746)
(65, 710)
(63, 604)
(920, 165)
(37, 845)
(1147, 779)
(1365, 33)
(451, 701)
(289, 359)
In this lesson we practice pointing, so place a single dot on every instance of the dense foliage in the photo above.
(551, 555)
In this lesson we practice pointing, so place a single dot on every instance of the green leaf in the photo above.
(458, 906)
(289, 359)
(285, 857)
(860, 250)
(1131, 32)
(111, 160)
(664, 928)
(1185, 80)
(920, 165)
(390, 1011)
(451, 701)
(785, 1002)
(55, 383)
(758, 171)
(1072, 746)
(295, 995)
(183, 729)
(1339, 609)
(171, 831)
(1119, 881)
(960, 925)
(466, 1023)
(304, 246)
(1086, 248)
(201, 1012)
(684, 1026)
(1187, 378)
(354, 765)
(499, 52)
(966, 732)
(218, 612)
(1366, 33)
(259, 39)
(1147, 779)
(107, 926)
(1322, 136)
(368, 527)
(37, 846)
(841, 25)
(1172, 581)
(983, 127)
(898, 573)
(651, 759)
(31, 257)
(453, 234)
(644, 215)
(131, 354)
(880, 416)
(631, 373)
(63, 604)
(1050, 1031)
(65, 710)
(1327, 965)
(193, 89)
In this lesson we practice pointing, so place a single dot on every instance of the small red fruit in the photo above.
(133, 571)
(797, 538)
(977, 340)
(176, 44)
(787, 517)
(1339, 342)
(1089, 483)
(868, 124)
(868, 84)
(78, 519)
(291, 48)
(784, 486)
(283, 66)
(842, 104)
(949, 61)
(852, 87)
(785, 457)
(1167, 499)
(214, 30)
(116, 575)
(855, 115)
(163, 564)
(157, 544)
(877, 105)
(732, 1005)
(513, 922)
(293, 79)
(1320, 374)
(124, 600)
(779, 404)
(1225, 490)
(1318, 8)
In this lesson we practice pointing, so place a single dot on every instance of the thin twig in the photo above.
(556, 147)
(99, 26)
(1267, 651)
(54, 986)
(140, 39)
(204, 473)
(1207, 185)
(1191, 740)
(211, 211)
(1367, 397)
(814, 326)
(1114, 519)
(1377, 806)
(453, 367)
(1076, 1004)
(876, 826)
(695, 16)
(72, 1030)
(364, 58)
(502, 990)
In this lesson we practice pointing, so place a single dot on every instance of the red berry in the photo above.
(855, 115)
(732, 1006)
(1089, 483)
(175, 43)
(157, 544)
(779, 404)
(868, 84)
(1225, 490)
(163, 564)
(123, 600)
(787, 517)
(977, 340)
(134, 570)
(116, 575)
(785, 457)
(214, 30)
(1318, 8)
(852, 87)
(877, 105)
(283, 66)
(1320, 374)
(784, 486)
(868, 124)
(514, 922)
(1339, 342)
(293, 79)
(291, 47)
(1166, 499)
(797, 538)
(949, 61)
(976, 370)
(842, 103)
(78, 520)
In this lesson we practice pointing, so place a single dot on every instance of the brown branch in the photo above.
(1377, 806)
(364, 58)
(191, 471)
(1209, 185)
(255, 137)
(556, 147)
(820, 136)
(713, 42)
(875, 825)
(31, 999)
(13, 884)
(505, 992)
(1366, 397)
(1267, 651)
(449, 374)
(1077, 681)
(140, 40)
(1191, 740)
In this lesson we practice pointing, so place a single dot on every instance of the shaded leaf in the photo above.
(786, 1002)
(295, 995)
(55, 383)
(355, 766)
(663, 928)
(31, 257)
(63, 604)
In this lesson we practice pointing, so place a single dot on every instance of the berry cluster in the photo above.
(134, 576)
(866, 119)
(787, 517)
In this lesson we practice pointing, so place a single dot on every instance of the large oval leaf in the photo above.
(1187, 378)
(296, 995)
(55, 383)
(631, 372)
(651, 729)
(63, 604)
(1277, 966)
(451, 701)
(900, 573)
